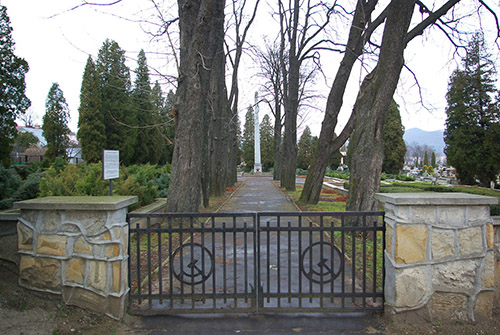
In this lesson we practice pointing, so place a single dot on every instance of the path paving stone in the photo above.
(257, 194)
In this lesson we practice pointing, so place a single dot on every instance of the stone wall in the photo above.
(439, 256)
(8, 238)
(496, 227)
(76, 247)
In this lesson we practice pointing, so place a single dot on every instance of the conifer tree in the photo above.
(143, 103)
(247, 142)
(55, 123)
(393, 142)
(306, 152)
(91, 127)
(164, 130)
(472, 124)
(266, 143)
(120, 118)
(13, 101)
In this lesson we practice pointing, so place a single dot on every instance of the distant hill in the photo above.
(434, 139)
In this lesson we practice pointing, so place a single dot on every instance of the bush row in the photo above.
(13, 187)
(426, 187)
(384, 176)
(147, 182)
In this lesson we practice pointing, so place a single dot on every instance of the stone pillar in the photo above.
(76, 247)
(439, 256)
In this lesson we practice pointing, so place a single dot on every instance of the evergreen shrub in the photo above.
(338, 174)
(301, 172)
(404, 177)
(146, 181)
(14, 188)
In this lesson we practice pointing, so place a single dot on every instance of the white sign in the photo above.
(110, 164)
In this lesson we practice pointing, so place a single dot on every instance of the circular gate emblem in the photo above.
(321, 262)
(192, 263)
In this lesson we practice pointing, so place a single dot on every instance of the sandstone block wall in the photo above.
(440, 260)
(76, 247)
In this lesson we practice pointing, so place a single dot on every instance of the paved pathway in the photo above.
(257, 194)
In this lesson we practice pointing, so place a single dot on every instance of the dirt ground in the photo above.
(28, 313)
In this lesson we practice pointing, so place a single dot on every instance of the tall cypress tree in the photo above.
(143, 102)
(91, 127)
(13, 100)
(247, 142)
(392, 141)
(305, 154)
(120, 118)
(164, 130)
(472, 124)
(267, 143)
(55, 123)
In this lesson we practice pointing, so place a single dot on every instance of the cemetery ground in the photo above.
(27, 312)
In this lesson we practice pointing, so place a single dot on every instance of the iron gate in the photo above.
(256, 262)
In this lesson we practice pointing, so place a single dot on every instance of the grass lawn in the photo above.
(364, 246)
(398, 187)
(163, 240)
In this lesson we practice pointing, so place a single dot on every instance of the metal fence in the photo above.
(256, 262)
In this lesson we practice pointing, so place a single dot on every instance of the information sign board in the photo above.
(110, 164)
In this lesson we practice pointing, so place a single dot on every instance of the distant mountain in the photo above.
(433, 139)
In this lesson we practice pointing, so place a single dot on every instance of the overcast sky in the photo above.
(56, 42)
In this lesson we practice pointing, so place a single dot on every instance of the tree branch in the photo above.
(494, 16)
(431, 19)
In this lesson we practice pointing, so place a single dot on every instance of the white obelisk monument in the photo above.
(257, 165)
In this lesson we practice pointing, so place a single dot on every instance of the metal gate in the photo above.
(256, 262)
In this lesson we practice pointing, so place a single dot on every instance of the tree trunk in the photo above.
(232, 124)
(366, 151)
(289, 166)
(218, 112)
(328, 143)
(196, 58)
(291, 101)
(277, 138)
(232, 147)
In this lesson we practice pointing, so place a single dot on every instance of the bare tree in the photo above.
(299, 41)
(362, 28)
(271, 72)
(365, 146)
(28, 118)
(234, 54)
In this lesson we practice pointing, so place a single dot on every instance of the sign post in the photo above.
(110, 167)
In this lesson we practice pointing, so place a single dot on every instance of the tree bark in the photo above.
(277, 137)
(219, 115)
(196, 58)
(328, 143)
(366, 150)
(290, 99)
(288, 169)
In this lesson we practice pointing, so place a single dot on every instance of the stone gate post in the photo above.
(76, 247)
(439, 256)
